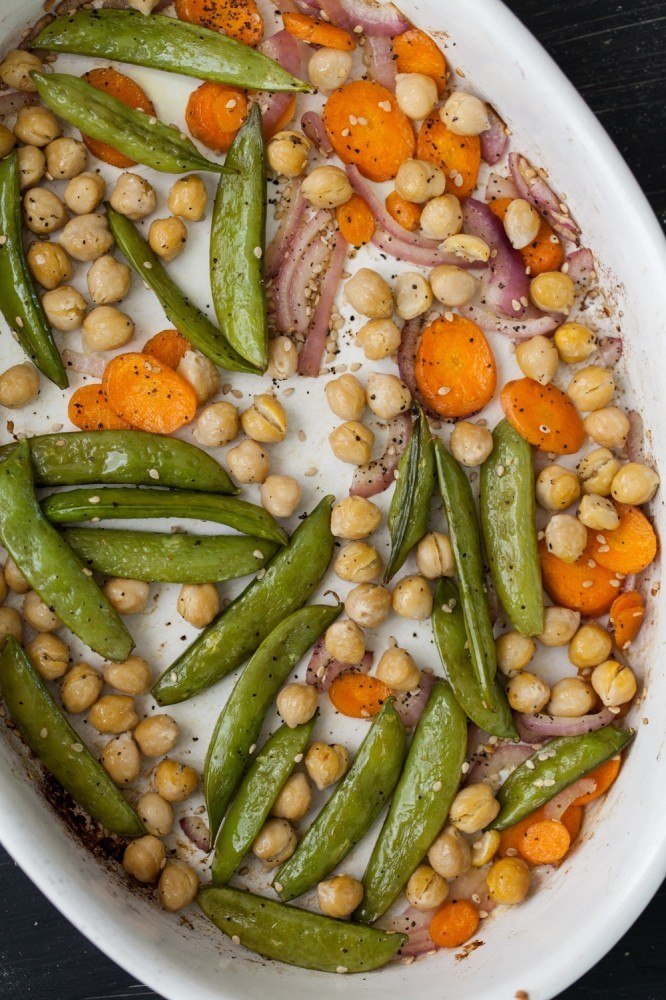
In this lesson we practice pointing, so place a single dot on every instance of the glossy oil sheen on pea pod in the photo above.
(297, 937)
(567, 759)
(410, 504)
(51, 738)
(237, 245)
(509, 528)
(165, 43)
(255, 797)
(466, 544)
(421, 802)
(19, 301)
(242, 717)
(352, 808)
(51, 567)
(290, 580)
(184, 315)
(493, 714)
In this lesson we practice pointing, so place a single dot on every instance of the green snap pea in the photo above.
(290, 580)
(421, 802)
(51, 567)
(255, 797)
(237, 245)
(19, 301)
(492, 713)
(242, 717)
(352, 808)
(410, 505)
(297, 937)
(165, 43)
(184, 315)
(509, 528)
(553, 768)
(110, 503)
(51, 738)
(466, 544)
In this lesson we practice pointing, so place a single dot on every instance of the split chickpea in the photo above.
(527, 693)
(359, 562)
(434, 556)
(614, 683)
(413, 295)
(473, 808)
(352, 442)
(355, 517)
(598, 513)
(426, 890)
(144, 858)
(65, 308)
(597, 471)
(49, 655)
(591, 388)
(265, 421)
(36, 126)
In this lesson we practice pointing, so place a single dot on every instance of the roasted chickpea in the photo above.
(352, 442)
(85, 193)
(359, 562)
(346, 397)
(597, 471)
(450, 855)
(521, 224)
(434, 556)
(49, 656)
(590, 646)
(328, 69)
(369, 294)
(326, 764)
(566, 537)
(155, 814)
(473, 808)
(201, 373)
(557, 488)
(175, 782)
(113, 713)
(442, 217)
(43, 211)
(65, 158)
(178, 885)
(265, 421)
(368, 605)
(288, 153)
(132, 676)
(538, 359)
(527, 693)
(571, 698)
(198, 603)
(379, 338)
(10, 624)
(553, 291)
(297, 703)
(614, 683)
(49, 264)
(36, 126)
(38, 614)
(282, 358)
(470, 444)
(426, 890)
(574, 342)
(339, 896)
(80, 688)
(398, 670)
(419, 180)
(65, 308)
(413, 295)
(167, 237)
(514, 652)
(387, 396)
(327, 187)
(598, 513)
(248, 462)
(608, 427)
(16, 68)
(355, 517)
(32, 166)
(344, 641)
(106, 328)
(591, 388)
(121, 759)
(294, 799)
(467, 248)
(416, 94)
(559, 626)
(275, 842)
(128, 597)
(634, 483)
(485, 848)
(188, 198)
(14, 577)
(133, 196)
(86, 237)
(156, 735)
(509, 881)
(280, 495)
(218, 424)
(7, 141)
(108, 280)
(464, 114)
(412, 598)
(19, 385)
(453, 286)
(144, 858)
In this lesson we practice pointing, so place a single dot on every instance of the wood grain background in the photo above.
(615, 54)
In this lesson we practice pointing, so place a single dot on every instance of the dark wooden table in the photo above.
(615, 53)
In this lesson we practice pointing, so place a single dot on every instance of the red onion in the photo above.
(609, 350)
(286, 50)
(14, 100)
(381, 63)
(286, 233)
(410, 704)
(372, 17)
(416, 925)
(196, 830)
(494, 141)
(529, 325)
(635, 438)
(487, 767)
(305, 280)
(313, 126)
(377, 476)
(409, 345)
(500, 187)
(84, 364)
(534, 189)
(557, 807)
(581, 268)
(537, 728)
(309, 361)
(290, 265)
(506, 286)
(473, 887)
(323, 668)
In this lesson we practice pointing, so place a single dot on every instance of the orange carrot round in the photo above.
(124, 89)
(545, 253)
(406, 213)
(583, 586)
(215, 113)
(632, 546)
(357, 695)
(316, 32)
(604, 777)
(455, 369)
(512, 838)
(543, 415)
(454, 923)
(355, 221)
(89, 411)
(416, 52)
(545, 842)
(627, 614)
(240, 19)
(459, 156)
(168, 346)
(282, 121)
(150, 396)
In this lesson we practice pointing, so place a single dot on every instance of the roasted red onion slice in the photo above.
(287, 230)
(609, 350)
(291, 263)
(473, 887)
(416, 925)
(84, 364)
(410, 704)
(304, 283)
(196, 830)
(286, 50)
(309, 361)
(488, 766)
(529, 325)
(381, 64)
(537, 728)
(313, 127)
(323, 668)
(557, 807)
(494, 141)
(581, 269)
(533, 188)
(500, 187)
(374, 18)
(377, 476)
(13, 100)
(635, 438)
(506, 286)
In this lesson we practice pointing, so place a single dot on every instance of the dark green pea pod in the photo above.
(297, 937)
(237, 245)
(290, 580)
(352, 808)
(410, 504)
(509, 528)
(51, 567)
(466, 544)
(448, 625)
(108, 503)
(165, 43)
(242, 717)
(185, 316)
(553, 768)
(137, 135)
(255, 797)
(51, 738)
(19, 301)
(421, 803)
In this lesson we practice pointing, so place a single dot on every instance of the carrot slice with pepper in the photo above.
(632, 546)
(454, 923)
(168, 346)
(604, 777)
(367, 128)
(455, 369)
(545, 253)
(406, 213)
(152, 397)
(459, 156)
(543, 415)
(545, 842)
(316, 32)
(215, 113)
(512, 838)
(124, 89)
(358, 696)
(626, 616)
(355, 221)
(416, 52)
(89, 411)
(239, 19)
(583, 586)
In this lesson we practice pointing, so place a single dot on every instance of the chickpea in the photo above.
(344, 641)
(509, 881)
(328, 69)
(198, 603)
(473, 808)
(80, 688)
(297, 703)
(450, 855)
(326, 764)
(346, 397)
(514, 652)
(294, 799)
(167, 237)
(188, 198)
(121, 759)
(19, 385)
(144, 858)
(571, 698)
(49, 264)
(608, 427)
(87, 237)
(591, 388)
(434, 556)
(106, 328)
(453, 286)
(368, 605)
(10, 624)
(113, 713)
(275, 842)
(280, 495)
(49, 656)
(413, 295)
(132, 676)
(327, 187)
(614, 683)
(65, 158)
(157, 735)
(575, 343)
(38, 614)
(65, 308)
(282, 358)
(398, 670)
(359, 562)
(635, 483)
(7, 141)
(354, 518)
(352, 442)
(426, 890)
(175, 782)
(597, 471)
(178, 885)
(155, 814)
(557, 488)
(412, 598)
(36, 126)
(419, 180)
(553, 291)
(559, 626)
(43, 211)
(379, 338)
(128, 597)
(201, 373)
(85, 193)
(248, 462)
(416, 94)
(108, 280)
(442, 217)
(521, 223)
(339, 896)
(598, 513)
(265, 421)
(387, 395)
(470, 444)
(133, 196)
(538, 359)
(467, 248)
(485, 848)
(16, 68)
(590, 646)
(527, 693)
(14, 577)
(32, 166)
(369, 294)
(464, 114)
(218, 424)
(566, 537)
(288, 153)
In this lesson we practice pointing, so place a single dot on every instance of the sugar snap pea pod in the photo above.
(135, 458)
(185, 316)
(242, 717)
(165, 43)
(51, 738)
(51, 567)
(237, 244)
(466, 543)
(509, 528)
(557, 765)
(410, 503)
(109, 503)
(297, 937)
(19, 301)
(420, 804)
(101, 116)
(448, 625)
(290, 580)
(352, 808)
(255, 797)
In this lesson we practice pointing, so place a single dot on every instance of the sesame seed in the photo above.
(614, 709)
(341, 968)
(298, 758)
(43, 733)
(465, 767)
(444, 390)
(85, 570)
(258, 554)
(483, 914)
(384, 105)
(476, 898)
(173, 676)
(604, 548)
(3, 240)
(252, 748)
(312, 471)
(345, 132)
(76, 747)
(235, 938)
(258, 252)
(587, 584)
(261, 574)
(147, 265)
(530, 765)
(515, 304)
(544, 428)
(277, 886)
(614, 583)
(437, 787)
(548, 782)
(94, 499)
(19, 322)
(153, 473)
(231, 103)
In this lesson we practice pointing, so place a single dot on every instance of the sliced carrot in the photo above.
(543, 415)
(512, 838)
(355, 221)
(215, 113)
(316, 32)
(282, 121)
(626, 616)
(545, 842)
(152, 397)
(454, 923)
(89, 411)
(632, 546)
(604, 777)
(459, 156)
(406, 213)
(168, 346)
(240, 19)
(357, 695)
(545, 253)
(455, 368)
(582, 586)
(124, 89)
(367, 128)
(415, 52)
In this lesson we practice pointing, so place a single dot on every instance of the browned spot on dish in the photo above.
(468, 949)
